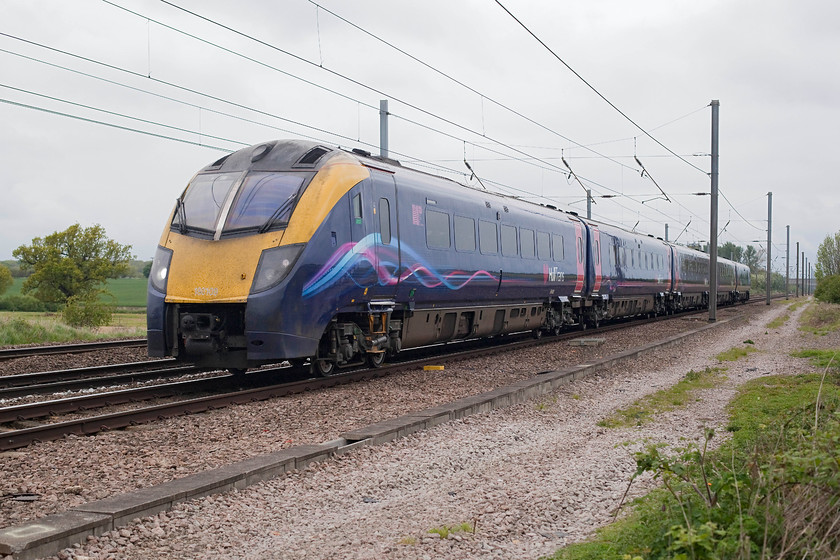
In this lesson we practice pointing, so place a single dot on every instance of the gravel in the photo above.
(529, 478)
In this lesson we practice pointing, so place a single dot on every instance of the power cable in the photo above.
(324, 68)
(610, 103)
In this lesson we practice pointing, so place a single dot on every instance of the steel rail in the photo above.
(26, 351)
(46, 387)
(20, 438)
(44, 377)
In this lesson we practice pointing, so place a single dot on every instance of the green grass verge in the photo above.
(663, 400)
(820, 358)
(820, 319)
(39, 328)
(727, 503)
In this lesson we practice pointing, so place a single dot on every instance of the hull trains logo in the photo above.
(369, 262)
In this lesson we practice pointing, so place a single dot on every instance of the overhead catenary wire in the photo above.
(590, 86)
(325, 69)
(332, 133)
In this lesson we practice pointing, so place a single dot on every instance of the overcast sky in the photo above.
(198, 90)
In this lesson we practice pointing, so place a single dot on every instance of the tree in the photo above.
(828, 289)
(731, 251)
(752, 258)
(5, 279)
(73, 262)
(828, 257)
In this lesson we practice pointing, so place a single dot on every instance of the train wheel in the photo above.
(375, 359)
(323, 368)
(555, 331)
(537, 333)
(238, 370)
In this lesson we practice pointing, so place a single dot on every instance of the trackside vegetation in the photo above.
(771, 491)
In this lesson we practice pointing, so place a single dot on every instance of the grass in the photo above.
(128, 292)
(820, 358)
(821, 319)
(444, 530)
(736, 353)
(778, 321)
(770, 491)
(39, 328)
(663, 400)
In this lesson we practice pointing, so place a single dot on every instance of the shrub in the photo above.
(21, 303)
(828, 290)
(85, 310)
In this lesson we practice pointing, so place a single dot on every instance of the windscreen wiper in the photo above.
(277, 213)
(182, 215)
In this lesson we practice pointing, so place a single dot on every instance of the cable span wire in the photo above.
(440, 168)
(324, 68)
(115, 114)
(610, 103)
(464, 85)
(129, 129)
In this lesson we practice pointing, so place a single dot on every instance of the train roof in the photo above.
(305, 155)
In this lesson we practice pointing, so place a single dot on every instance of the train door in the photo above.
(580, 257)
(596, 257)
(385, 227)
(358, 213)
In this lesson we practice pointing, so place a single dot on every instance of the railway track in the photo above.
(52, 382)
(27, 351)
(227, 389)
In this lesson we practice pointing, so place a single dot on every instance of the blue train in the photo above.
(296, 251)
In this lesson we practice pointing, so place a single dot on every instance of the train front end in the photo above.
(231, 247)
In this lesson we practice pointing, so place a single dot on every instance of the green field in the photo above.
(129, 292)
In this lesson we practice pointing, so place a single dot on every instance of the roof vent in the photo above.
(361, 152)
(260, 152)
(312, 156)
(219, 162)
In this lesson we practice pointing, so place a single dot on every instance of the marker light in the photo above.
(275, 264)
(159, 274)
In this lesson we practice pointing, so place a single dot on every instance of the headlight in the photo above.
(274, 266)
(160, 269)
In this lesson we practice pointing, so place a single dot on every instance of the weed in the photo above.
(663, 400)
(407, 541)
(576, 396)
(735, 353)
(778, 322)
(444, 530)
(541, 406)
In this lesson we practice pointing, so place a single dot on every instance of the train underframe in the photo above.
(215, 335)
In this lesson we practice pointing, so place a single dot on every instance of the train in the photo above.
(325, 257)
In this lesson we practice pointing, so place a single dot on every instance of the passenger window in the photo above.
(543, 246)
(509, 241)
(580, 249)
(488, 239)
(557, 247)
(357, 208)
(526, 243)
(597, 252)
(437, 230)
(385, 220)
(464, 234)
